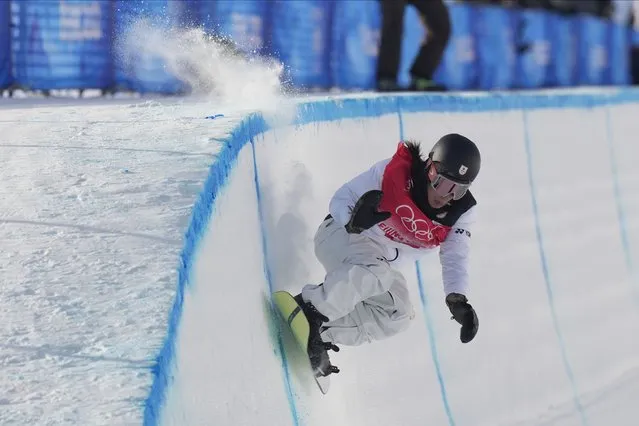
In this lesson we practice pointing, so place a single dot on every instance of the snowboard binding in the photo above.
(306, 324)
(317, 349)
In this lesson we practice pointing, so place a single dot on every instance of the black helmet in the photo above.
(456, 157)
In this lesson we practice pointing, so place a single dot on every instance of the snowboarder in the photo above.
(398, 210)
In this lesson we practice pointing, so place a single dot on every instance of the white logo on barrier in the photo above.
(80, 22)
(247, 31)
(420, 227)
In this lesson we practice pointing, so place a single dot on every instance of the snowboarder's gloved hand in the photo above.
(365, 213)
(464, 314)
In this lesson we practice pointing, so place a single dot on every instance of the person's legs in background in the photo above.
(390, 44)
(437, 19)
(634, 65)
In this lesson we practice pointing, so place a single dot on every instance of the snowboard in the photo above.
(291, 313)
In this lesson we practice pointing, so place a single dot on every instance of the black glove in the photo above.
(464, 314)
(365, 213)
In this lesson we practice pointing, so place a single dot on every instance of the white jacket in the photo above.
(453, 252)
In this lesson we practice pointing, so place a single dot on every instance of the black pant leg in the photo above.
(435, 14)
(391, 39)
(634, 65)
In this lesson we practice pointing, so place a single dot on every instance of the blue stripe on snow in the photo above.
(433, 346)
(217, 179)
(547, 279)
(281, 353)
(621, 213)
(432, 341)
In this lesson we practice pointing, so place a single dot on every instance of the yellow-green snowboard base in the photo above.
(293, 316)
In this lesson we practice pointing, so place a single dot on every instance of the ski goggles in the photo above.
(445, 187)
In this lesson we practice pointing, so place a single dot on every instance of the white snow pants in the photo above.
(363, 297)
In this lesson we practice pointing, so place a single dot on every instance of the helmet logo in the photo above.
(462, 170)
(409, 185)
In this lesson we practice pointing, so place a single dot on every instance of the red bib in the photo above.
(407, 224)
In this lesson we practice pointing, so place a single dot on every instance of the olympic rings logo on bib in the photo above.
(422, 229)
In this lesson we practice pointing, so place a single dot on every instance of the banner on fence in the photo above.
(355, 35)
(62, 44)
(301, 41)
(495, 48)
(532, 46)
(618, 69)
(5, 44)
(98, 44)
(458, 68)
(592, 51)
(563, 62)
(139, 65)
(244, 22)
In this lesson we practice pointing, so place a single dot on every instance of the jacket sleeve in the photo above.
(346, 196)
(454, 254)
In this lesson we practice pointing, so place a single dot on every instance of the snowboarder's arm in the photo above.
(344, 199)
(454, 255)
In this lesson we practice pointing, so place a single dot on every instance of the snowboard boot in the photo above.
(387, 85)
(426, 85)
(317, 348)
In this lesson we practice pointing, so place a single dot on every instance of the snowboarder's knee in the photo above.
(386, 275)
(387, 315)
(394, 325)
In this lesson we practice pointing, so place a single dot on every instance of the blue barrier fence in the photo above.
(5, 44)
(68, 44)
